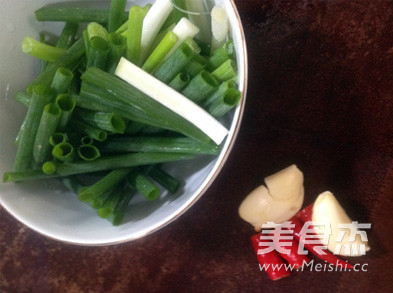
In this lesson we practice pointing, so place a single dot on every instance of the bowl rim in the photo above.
(212, 175)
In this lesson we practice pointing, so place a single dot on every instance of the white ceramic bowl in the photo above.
(46, 206)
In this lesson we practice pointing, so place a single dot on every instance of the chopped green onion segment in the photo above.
(40, 50)
(171, 99)
(152, 24)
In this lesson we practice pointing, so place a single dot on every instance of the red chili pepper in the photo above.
(328, 257)
(272, 262)
(295, 259)
(305, 215)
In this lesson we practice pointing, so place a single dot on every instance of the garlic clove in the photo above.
(283, 210)
(328, 209)
(260, 206)
(286, 183)
(253, 207)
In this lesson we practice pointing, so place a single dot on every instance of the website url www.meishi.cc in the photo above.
(313, 266)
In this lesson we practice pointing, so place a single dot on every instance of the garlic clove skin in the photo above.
(286, 183)
(260, 206)
(328, 209)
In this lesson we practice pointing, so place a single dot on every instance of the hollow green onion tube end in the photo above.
(144, 185)
(64, 152)
(41, 50)
(88, 152)
(57, 137)
(226, 70)
(62, 80)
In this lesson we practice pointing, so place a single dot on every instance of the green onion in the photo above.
(24, 154)
(118, 214)
(74, 14)
(118, 161)
(171, 101)
(225, 71)
(64, 152)
(159, 144)
(166, 180)
(144, 185)
(134, 33)
(103, 185)
(176, 62)
(49, 167)
(111, 202)
(40, 50)
(98, 202)
(222, 54)
(67, 104)
(202, 85)
(115, 14)
(62, 80)
(16, 142)
(88, 152)
(152, 24)
(106, 121)
(48, 124)
(93, 132)
(68, 35)
(195, 66)
(99, 99)
(159, 37)
(220, 92)
(184, 29)
(144, 101)
(124, 27)
(220, 26)
(226, 102)
(57, 137)
(68, 60)
(101, 164)
(19, 176)
(118, 47)
(96, 30)
(180, 81)
(159, 53)
(87, 140)
(97, 52)
(22, 98)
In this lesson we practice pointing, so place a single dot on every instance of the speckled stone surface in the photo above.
(320, 96)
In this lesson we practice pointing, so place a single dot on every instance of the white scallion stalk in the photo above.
(220, 26)
(184, 29)
(171, 99)
(152, 23)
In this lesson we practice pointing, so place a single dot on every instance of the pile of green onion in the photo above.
(118, 95)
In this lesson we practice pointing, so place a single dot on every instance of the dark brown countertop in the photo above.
(320, 96)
